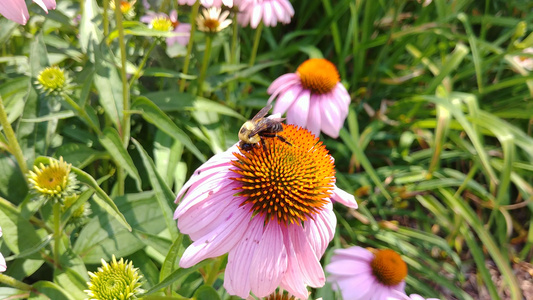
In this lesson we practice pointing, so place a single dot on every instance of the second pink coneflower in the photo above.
(313, 97)
(269, 208)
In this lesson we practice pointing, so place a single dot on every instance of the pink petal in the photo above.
(348, 267)
(15, 10)
(286, 99)
(343, 197)
(270, 261)
(354, 252)
(173, 15)
(256, 16)
(320, 230)
(267, 14)
(314, 120)
(331, 119)
(237, 275)
(3, 265)
(362, 286)
(282, 82)
(299, 110)
(46, 4)
(219, 241)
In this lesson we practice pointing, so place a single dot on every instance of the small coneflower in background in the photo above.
(3, 265)
(269, 208)
(54, 181)
(213, 20)
(126, 7)
(17, 11)
(208, 3)
(360, 274)
(53, 81)
(164, 22)
(270, 12)
(524, 61)
(117, 280)
(313, 97)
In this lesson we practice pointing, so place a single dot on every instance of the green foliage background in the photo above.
(437, 147)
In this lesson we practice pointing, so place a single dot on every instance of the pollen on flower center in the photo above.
(162, 24)
(388, 267)
(288, 181)
(52, 78)
(318, 75)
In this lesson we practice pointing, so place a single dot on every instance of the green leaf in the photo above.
(179, 273)
(163, 193)
(73, 277)
(80, 155)
(206, 292)
(113, 144)
(104, 236)
(48, 290)
(90, 33)
(18, 234)
(155, 116)
(10, 175)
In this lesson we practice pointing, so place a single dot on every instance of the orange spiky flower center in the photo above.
(318, 75)
(289, 181)
(388, 267)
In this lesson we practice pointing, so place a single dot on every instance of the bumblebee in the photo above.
(260, 127)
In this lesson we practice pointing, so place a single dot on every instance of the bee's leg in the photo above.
(283, 140)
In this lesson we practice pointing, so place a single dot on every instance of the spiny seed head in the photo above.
(286, 179)
(388, 267)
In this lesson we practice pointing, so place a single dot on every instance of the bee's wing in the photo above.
(263, 112)
(259, 126)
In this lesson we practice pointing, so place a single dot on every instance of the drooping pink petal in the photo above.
(267, 14)
(15, 10)
(237, 274)
(218, 241)
(348, 267)
(46, 4)
(331, 118)
(286, 99)
(299, 110)
(270, 260)
(320, 230)
(314, 121)
(256, 16)
(353, 253)
(343, 197)
(356, 287)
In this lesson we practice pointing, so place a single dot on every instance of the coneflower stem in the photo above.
(125, 122)
(57, 231)
(82, 113)
(257, 38)
(194, 14)
(205, 63)
(14, 146)
(232, 57)
(137, 73)
(8, 280)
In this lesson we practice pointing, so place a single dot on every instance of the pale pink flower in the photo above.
(183, 29)
(525, 61)
(362, 275)
(272, 216)
(17, 11)
(3, 266)
(208, 3)
(270, 12)
(313, 97)
(402, 296)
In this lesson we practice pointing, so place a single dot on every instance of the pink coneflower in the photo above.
(17, 11)
(164, 22)
(3, 265)
(269, 11)
(525, 61)
(208, 3)
(269, 208)
(362, 275)
(313, 97)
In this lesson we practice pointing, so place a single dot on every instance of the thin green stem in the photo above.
(125, 124)
(194, 14)
(57, 231)
(205, 62)
(8, 280)
(257, 38)
(82, 113)
(232, 58)
(14, 146)
(137, 73)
